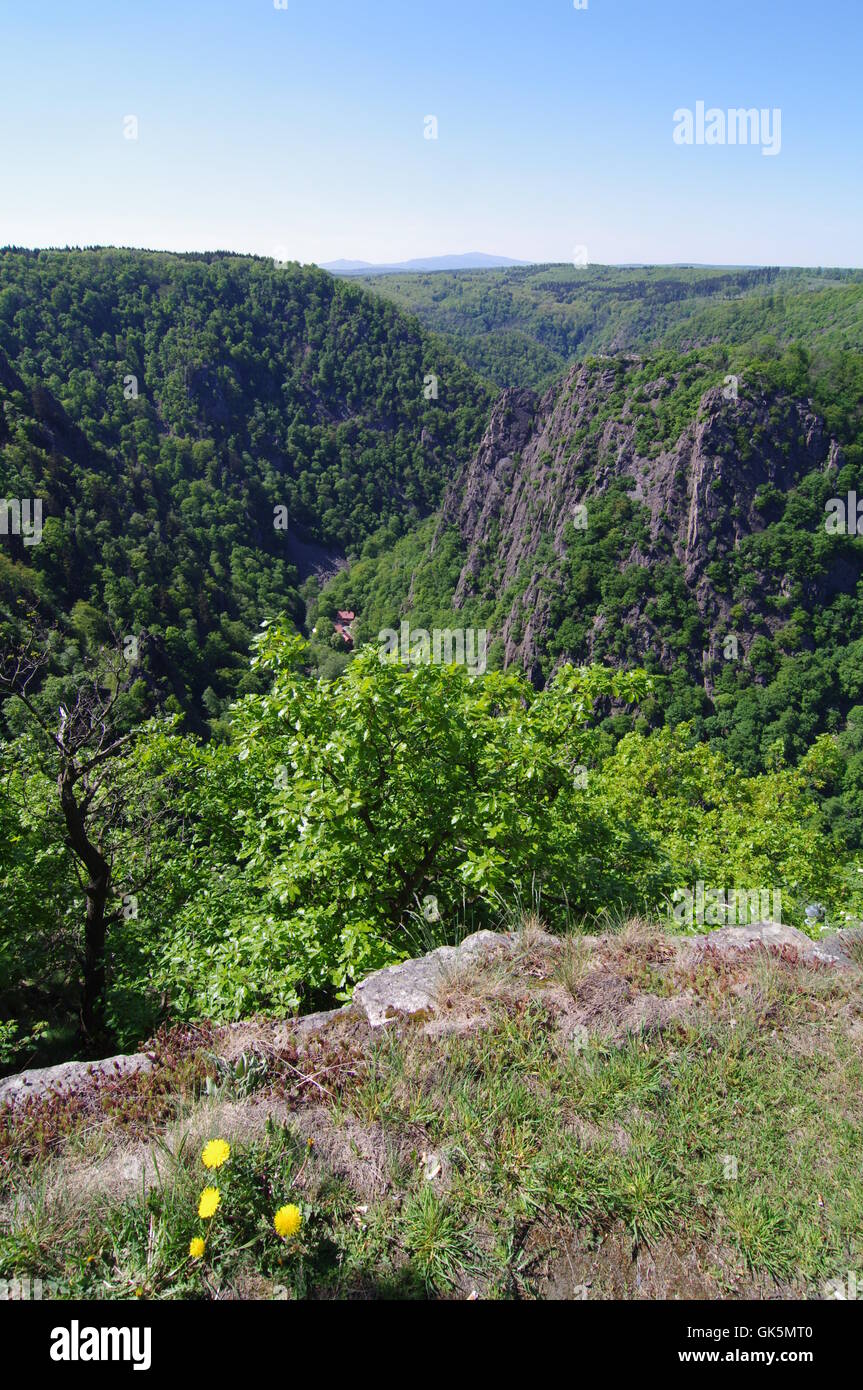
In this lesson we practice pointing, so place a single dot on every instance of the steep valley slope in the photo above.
(667, 512)
(523, 506)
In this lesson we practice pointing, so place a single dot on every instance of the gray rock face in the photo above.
(542, 455)
(830, 949)
(410, 989)
(68, 1076)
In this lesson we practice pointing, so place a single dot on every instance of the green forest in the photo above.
(523, 326)
(792, 589)
(212, 805)
(172, 410)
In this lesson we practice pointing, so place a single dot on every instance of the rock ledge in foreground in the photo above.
(830, 950)
(68, 1076)
(410, 989)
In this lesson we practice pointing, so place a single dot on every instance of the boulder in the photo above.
(830, 949)
(410, 989)
(69, 1076)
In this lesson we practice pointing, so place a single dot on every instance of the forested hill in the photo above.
(163, 406)
(524, 326)
(664, 512)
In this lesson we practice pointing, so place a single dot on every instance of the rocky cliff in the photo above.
(699, 470)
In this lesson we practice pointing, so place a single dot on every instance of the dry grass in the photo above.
(574, 963)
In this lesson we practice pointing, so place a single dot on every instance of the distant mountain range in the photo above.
(524, 326)
(478, 260)
(471, 260)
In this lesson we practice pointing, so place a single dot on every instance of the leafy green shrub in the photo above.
(296, 856)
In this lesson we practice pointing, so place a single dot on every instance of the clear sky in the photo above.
(299, 132)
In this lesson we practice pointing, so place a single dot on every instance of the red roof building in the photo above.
(342, 622)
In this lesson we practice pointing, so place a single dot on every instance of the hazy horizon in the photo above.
(368, 266)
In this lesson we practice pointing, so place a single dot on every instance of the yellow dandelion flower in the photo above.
(209, 1203)
(288, 1220)
(196, 1248)
(215, 1153)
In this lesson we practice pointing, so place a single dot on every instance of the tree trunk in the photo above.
(93, 992)
(95, 926)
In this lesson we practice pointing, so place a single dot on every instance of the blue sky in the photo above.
(300, 132)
